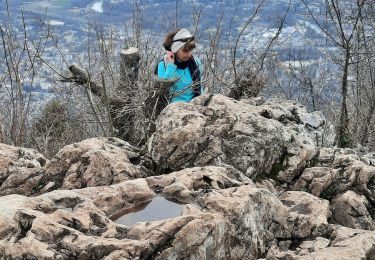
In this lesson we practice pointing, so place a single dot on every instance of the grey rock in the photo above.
(225, 218)
(348, 244)
(308, 215)
(350, 210)
(20, 169)
(92, 162)
(316, 179)
(268, 139)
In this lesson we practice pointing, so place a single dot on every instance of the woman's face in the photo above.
(184, 55)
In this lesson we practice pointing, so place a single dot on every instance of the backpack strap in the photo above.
(157, 66)
(196, 76)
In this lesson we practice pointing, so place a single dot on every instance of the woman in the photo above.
(181, 64)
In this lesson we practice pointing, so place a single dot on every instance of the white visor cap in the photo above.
(181, 34)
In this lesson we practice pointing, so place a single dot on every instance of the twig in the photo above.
(88, 92)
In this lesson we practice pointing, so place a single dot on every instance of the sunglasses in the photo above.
(187, 39)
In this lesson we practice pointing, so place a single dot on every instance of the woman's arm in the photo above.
(166, 67)
(168, 72)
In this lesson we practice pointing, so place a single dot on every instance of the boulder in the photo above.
(19, 157)
(346, 243)
(368, 159)
(257, 215)
(272, 139)
(309, 246)
(350, 210)
(185, 184)
(352, 174)
(92, 162)
(337, 171)
(315, 179)
(20, 169)
(308, 215)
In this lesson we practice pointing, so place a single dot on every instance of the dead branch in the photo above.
(81, 77)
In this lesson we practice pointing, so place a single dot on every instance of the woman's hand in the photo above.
(170, 57)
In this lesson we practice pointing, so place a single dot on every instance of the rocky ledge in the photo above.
(249, 179)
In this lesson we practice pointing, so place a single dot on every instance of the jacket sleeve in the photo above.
(167, 72)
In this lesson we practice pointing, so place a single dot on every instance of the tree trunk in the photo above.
(343, 131)
(365, 136)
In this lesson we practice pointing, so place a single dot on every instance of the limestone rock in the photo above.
(270, 185)
(308, 215)
(19, 157)
(22, 181)
(350, 210)
(316, 179)
(98, 161)
(227, 218)
(265, 139)
(20, 169)
(330, 156)
(369, 159)
(186, 183)
(309, 246)
(337, 171)
(206, 154)
(353, 174)
(92, 162)
(257, 215)
(276, 253)
(202, 236)
(347, 244)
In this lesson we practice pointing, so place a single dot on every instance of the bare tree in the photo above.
(340, 27)
(363, 90)
(21, 55)
(252, 78)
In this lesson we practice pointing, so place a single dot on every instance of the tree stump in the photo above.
(129, 69)
(128, 88)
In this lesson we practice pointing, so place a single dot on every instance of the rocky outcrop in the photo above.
(249, 179)
(95, 162)
(92, 162)
(19, 157)
(344, 243)
(338, 171)
(316, 179)
(275, 138)
(76, 223)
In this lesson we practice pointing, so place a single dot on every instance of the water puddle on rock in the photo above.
(156, 209)
(67, 209)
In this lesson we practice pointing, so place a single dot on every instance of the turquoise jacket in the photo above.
(181, 91)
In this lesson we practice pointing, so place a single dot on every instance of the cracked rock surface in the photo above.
(76, 223)
(92, 162)
(250, 179)
(253, 139)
